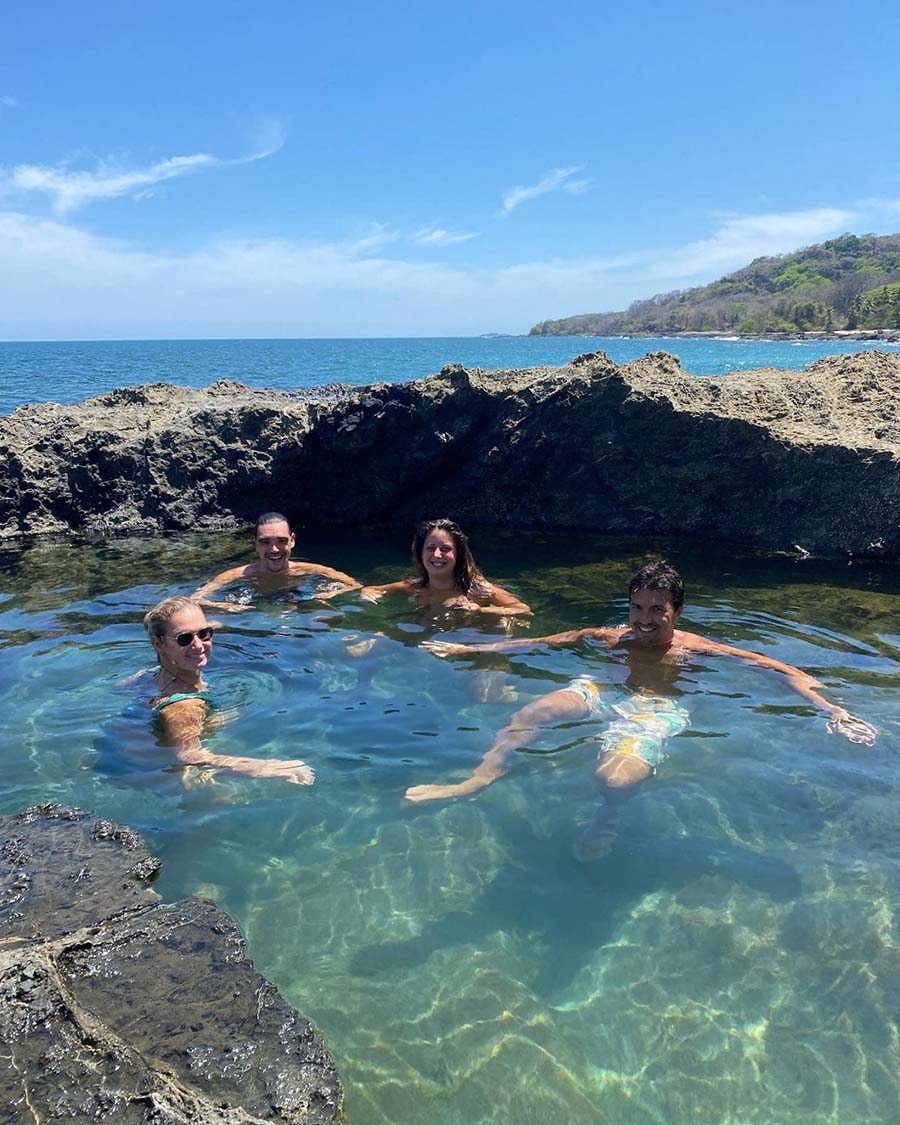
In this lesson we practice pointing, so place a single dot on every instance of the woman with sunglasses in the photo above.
(182, 638)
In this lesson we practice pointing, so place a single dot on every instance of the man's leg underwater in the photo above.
(558, 706)
(622, 771)
(633, 745)
(620, 774)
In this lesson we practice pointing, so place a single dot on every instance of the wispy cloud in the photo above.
(740, 239)
(559, 179)
(7, 101)
(373, 237)
(60, 281)
(268, 135)
(437, 236)
(68, 189)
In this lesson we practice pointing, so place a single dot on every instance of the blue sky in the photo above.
(397, 169)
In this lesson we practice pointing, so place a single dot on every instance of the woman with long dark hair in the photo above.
(448, 575)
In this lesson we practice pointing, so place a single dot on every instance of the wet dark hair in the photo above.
(271, 517)
(465, 572)
(659, 576)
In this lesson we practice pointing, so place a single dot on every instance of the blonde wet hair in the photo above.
(156, 619)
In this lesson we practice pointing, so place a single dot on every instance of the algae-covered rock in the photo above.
(117, 1007)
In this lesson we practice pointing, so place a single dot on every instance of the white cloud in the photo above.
(64, 282)
(888, 208)
(68, 189)
(268, 135)
(559, 179)
(373, 237)
(7, 101)
(437, 236)
(58, 281)
(740, 239)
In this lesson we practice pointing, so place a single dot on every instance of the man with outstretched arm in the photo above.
(273, 570)
(632, 745)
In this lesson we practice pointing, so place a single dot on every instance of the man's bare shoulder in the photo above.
(693, 642)
(226, 576)
(251, 570)
(297, 568)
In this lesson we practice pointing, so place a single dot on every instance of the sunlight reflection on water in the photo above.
(733, 958)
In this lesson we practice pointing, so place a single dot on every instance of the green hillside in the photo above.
(849, 282)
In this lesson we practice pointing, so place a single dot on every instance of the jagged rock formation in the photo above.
(772, 458)
(115, 1007)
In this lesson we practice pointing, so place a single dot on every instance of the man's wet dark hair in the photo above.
(271, 517)
(659, 576)
(465, 572)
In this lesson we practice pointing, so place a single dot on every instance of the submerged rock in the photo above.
(116, 1007)
(789, 460)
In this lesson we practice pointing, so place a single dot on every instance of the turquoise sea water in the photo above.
(734, 958)
(69, 372)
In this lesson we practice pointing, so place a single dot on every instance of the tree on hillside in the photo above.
(843, 293)
(831, 285)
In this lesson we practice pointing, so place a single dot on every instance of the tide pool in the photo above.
(734, 958)
(69, 372)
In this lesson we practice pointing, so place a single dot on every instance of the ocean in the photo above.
(67, 372)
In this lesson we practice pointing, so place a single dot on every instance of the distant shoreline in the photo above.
(887, 335)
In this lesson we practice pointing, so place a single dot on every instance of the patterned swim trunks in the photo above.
(641, 724)
(589, 690)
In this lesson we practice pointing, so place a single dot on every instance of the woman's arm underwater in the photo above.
(554, 640)
(492, 599)
(182, 724)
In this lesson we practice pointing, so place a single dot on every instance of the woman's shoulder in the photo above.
(144, 679)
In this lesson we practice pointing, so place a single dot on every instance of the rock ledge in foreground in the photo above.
(116, 1007)
(768, 458)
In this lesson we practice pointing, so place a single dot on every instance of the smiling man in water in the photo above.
(273, 570)
(631, 747)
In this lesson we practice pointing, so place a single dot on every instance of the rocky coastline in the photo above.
(117, 1007)
(798, 461)
(851, 335)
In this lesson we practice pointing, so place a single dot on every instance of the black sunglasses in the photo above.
(184, 639)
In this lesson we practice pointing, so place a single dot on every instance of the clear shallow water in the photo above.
(736, 958)
(68, 372)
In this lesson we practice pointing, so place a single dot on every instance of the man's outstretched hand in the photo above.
(852, 728)
(447, 648)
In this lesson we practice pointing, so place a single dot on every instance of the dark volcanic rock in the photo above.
(764, 457)
(115, 1007)
(98, 870)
